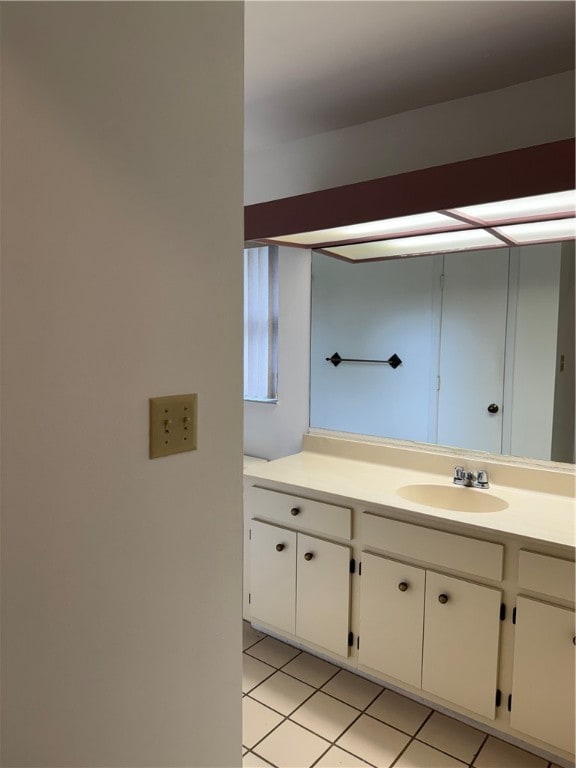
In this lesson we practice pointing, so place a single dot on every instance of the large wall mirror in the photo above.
(485, 337)
(486, 340)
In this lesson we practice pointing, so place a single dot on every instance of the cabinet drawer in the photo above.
(548, 575)
(448, 550)
(312, 515)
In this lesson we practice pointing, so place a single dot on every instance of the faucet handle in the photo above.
(459, 474)
(482, 478)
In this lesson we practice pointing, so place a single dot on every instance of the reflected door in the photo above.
(472, 347)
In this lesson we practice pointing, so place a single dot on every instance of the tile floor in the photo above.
(300, 711)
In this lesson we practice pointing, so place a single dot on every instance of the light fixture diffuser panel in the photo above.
(536, 207)
(540, 231)
(422, 222)
(445, 242)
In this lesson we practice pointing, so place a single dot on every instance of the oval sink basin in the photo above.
(453, 497)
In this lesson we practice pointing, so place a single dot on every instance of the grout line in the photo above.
(261, 758)
(479, 750)
(360, 709)
(325, 682)
(340, 700)
(401, 753)
(277, 669)
(285, 716)
(272, 673)
(269, 732)
(443, 751)
(347, 752)
(332, 743)
(320, 756)
(422, 724)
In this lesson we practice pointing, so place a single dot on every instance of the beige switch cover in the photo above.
(172, 424)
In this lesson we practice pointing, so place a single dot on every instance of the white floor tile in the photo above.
(282, 692)
(257, 721)
(254, 672)
(250, 635)
(500, 754)
(399, 711)
(325, 716)
(291, 746)
(352, 689)
(273, 652)
(337, 758)
(253, 761)
(373, 741)
(310, 669)
(451, 736)
(420, 755)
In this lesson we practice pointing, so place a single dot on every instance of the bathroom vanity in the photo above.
(367, 554)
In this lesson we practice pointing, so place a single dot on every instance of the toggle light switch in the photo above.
(173, 424)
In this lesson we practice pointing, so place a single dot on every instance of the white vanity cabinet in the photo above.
(272, 594)
(300, 582)
(461, 614)
(392, 618)
(431, 630)
(542, 702)
(461, 636)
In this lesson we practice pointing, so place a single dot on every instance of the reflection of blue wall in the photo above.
(372, 311)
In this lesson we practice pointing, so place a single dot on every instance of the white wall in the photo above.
(122, 280)
(564, 421)
(535, 112)
(371, 311)
(272, 430)
(536, 330)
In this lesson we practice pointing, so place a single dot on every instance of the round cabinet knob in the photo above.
(308, 556)
(295, 511)
(574, 640)
(403, 586)
(443, 599)
(279, 547)
(493, 408)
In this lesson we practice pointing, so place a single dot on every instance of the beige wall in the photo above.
(122, 272)
(536, 112)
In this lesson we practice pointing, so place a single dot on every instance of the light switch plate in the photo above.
(173, 424)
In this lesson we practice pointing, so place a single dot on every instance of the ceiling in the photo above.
(318, 65)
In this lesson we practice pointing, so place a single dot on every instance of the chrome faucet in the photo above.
(470, 479)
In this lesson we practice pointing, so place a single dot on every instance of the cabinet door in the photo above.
(543, 678)
(391, 618)
(323, 593)
(273, 575)
(461, 634)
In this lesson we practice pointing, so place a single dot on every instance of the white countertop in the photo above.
(540, 516)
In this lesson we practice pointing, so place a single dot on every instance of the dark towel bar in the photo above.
(393, 361)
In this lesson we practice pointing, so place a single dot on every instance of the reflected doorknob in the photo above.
(493, 408)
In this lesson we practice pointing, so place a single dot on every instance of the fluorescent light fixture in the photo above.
(539, 231)
(415, 246)
(422, 222)
(536, 207)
